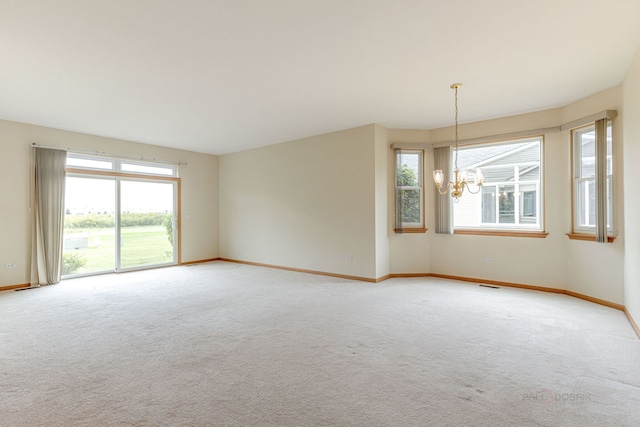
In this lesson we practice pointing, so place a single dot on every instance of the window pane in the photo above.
(408, 174)
(89, 163)
(489, 204)
(609, 149)
(510, 197)
(586, 206)
(409, 192)
(499, 174)
(609, 204)
(588, 159)
(585, 151)
(410, 200)
(498, 154)
(89, 226)
(528, 204)
(506, 205)
(529, 173)
(146, 223)
(146, 169)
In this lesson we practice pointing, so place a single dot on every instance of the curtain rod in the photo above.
(501, 137)
(606, 114)
(113, 156)
(489, 138)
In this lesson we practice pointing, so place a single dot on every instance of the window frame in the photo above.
(587, 232)
(517, 228)
(115, 172)
(118, 163)
(410, 227)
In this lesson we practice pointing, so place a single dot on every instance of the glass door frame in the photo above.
(175, 220)
(118, 177)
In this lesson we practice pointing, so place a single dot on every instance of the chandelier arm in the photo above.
(473, 192)
(446, 188)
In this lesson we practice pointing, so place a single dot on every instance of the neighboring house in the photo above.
(510, 194)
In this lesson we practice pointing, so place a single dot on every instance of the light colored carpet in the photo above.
(225, 344)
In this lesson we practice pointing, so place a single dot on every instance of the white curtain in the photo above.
(48, 216)
(444, 211)
(601, 180)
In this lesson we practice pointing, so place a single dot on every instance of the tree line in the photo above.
(127, 219)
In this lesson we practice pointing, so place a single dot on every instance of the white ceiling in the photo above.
(219, 76)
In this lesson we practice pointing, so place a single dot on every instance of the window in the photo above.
(94, 163)
(585, 204)
(511, 195)
(147, 169)
(89, 163)
(409, 191)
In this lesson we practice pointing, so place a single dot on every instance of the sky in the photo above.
(84, 195)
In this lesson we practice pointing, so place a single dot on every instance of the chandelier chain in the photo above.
(459, 183)
(456, 106)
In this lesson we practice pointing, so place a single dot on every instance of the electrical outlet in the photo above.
(9, 266)
(488, 261)
(349, 257)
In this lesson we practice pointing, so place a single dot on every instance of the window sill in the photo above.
(588, 237)
(409, 230)
(534, 234)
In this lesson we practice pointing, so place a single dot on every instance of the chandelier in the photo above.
(460, 177)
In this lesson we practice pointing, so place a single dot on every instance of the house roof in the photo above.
(472, 158)
(497, 161)
(221, 76)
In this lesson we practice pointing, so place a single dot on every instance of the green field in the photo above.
(140, 246)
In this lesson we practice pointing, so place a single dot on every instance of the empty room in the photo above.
(319, 213)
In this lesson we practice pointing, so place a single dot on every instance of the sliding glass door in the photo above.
(89, 226)
(117, 223)
(147, 223)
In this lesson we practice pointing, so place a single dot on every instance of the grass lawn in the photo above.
(140, 246)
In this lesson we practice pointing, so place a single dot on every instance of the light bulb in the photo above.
(438, 177)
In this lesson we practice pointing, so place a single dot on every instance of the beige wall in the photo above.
(631, 134)
(306, 204)
(199, 191)
(382, 201)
